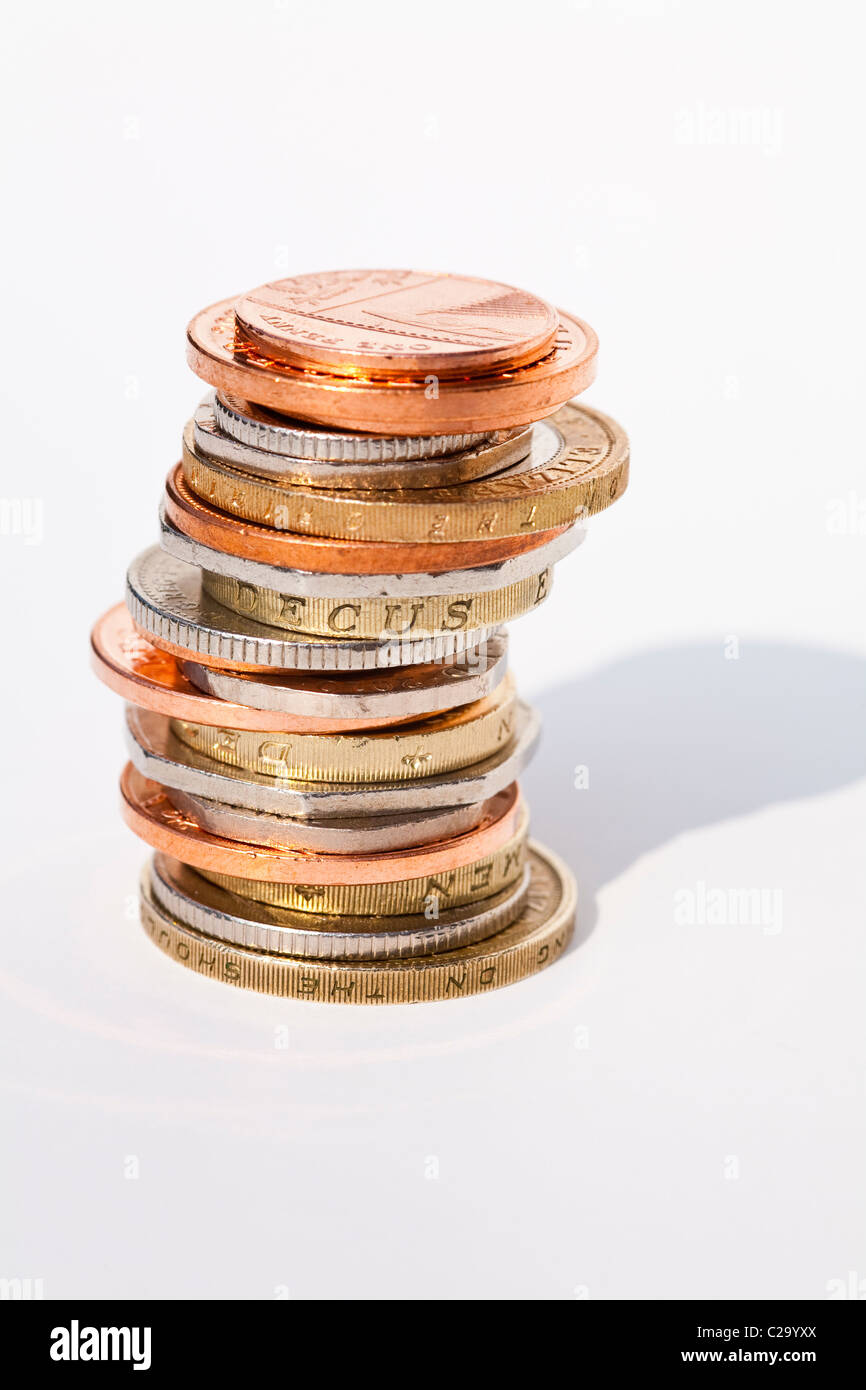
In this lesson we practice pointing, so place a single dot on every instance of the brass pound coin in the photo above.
(534, 941)
(379, 619)
(584, 469)
(206, 907)
(429, 894)
(402, 754)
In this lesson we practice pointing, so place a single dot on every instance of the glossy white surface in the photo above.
(674, 1109)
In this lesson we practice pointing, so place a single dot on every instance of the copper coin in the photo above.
(387, 323)
(222, 531)
(502, 399)
(150, 814)
(130, 665)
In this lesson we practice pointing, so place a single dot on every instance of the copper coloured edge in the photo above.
(288, 550)
(132, 665)
(221, 356)
(148, 811)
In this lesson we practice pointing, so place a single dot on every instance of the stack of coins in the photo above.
(324, 738)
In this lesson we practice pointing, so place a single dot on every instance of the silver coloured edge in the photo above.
(180, 614)
(158, 755)
(454, 928)
(307, 584)
(334, 446)
(329, 835)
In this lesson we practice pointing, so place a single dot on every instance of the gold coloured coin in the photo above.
(404, 753)
(534, 941)
(379, 617)
(585, 469)
(205, 907)
(470, 883)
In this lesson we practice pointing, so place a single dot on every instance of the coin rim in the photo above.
(500, 504)
(489, 608)
(327, 834)
(419, 980)
(195, 519)
(317, 584)
(408, 704)
(463, 465)
(305, 867)
(304, 440)
(336, 757)
(260, 648)
(496, 401)
(202, 706)
(150, 745)
(471, 920)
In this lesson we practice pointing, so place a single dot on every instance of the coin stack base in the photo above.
(323, 735)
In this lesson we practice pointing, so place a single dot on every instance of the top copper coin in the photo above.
(387, 323)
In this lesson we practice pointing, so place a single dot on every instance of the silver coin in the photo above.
(159, 755)
(333, 835)
(400, 694)
(165, 598)
(305, 584)
(177, 892)
(258, 428)
(494, 454)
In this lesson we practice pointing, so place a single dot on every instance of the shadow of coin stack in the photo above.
(323, 734)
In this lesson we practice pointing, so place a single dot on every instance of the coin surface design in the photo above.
(304, 584)
(380, 619)
(473, 882)
(536, 939)
(204, 906)
(386, 323)
(200, 521)
(148, 811)
(406, 753)
(582, 468)
(264, 429)
(496, 451)
(158, 755)
(502, 399)
(167, 603)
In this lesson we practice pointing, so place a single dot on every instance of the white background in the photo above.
(672, 1110)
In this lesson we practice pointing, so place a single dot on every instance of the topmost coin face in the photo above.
(397, 323)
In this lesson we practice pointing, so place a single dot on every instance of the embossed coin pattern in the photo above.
(502, 399)
(534, 941)
(273, 434)
(204, 906)
(402, 754)
(387, 323)
(586, 470)
(324, 738)
(380, 619)
(202, 522)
